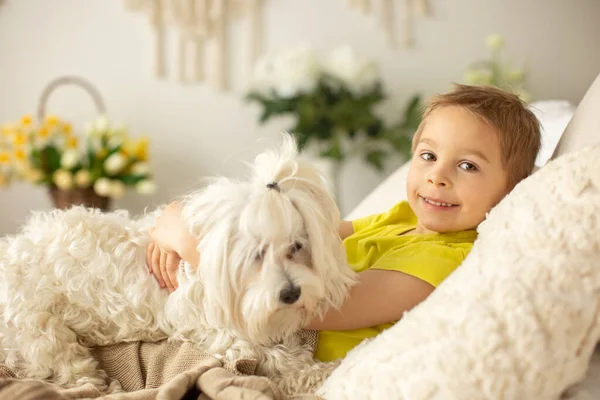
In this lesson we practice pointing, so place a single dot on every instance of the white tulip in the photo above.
(117, 189)
(83, 178)
(89, 128)
(515, 75)
(63, 179)
(478, 77)
(264, 75)
(115, 163)
(69, 159)
(146, 187)
(295, 71)
(358, 74)
(101, 124)
(102, 187)
(494, 42)
(140, 168)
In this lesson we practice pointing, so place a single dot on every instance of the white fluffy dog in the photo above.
(271, 260)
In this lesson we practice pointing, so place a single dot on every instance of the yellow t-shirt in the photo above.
(378, 242)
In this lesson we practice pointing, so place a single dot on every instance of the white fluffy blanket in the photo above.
(518, 320)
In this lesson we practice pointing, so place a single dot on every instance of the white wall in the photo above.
(196, 131)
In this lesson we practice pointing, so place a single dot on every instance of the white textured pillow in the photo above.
(518, 319)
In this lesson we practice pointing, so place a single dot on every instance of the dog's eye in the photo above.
(295, 248)
(260, 255)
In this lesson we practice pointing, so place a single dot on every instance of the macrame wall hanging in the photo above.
(197, 23)
(387, 11)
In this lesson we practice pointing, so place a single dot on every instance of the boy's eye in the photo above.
(428, 156)
(467, 166)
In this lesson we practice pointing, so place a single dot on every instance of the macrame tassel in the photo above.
(220, 18)
(256, 23)
(387, 20)
(158, 25)
(406, 40)
(422, 7)
(201, 23)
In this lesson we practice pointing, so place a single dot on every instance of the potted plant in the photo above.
(334, 106)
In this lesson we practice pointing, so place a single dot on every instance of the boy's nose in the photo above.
(438, 180)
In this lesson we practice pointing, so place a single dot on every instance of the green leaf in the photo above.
(376, 158)
(50, 158)
(413, 113)
(301, 141)
(334, 152)
(131, 179)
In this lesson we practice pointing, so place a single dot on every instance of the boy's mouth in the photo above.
(437, 202)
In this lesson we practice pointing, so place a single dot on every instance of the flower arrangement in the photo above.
(495, 72)
(48, 153)
(334, 104)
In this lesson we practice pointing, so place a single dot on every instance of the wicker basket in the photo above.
(64, 199)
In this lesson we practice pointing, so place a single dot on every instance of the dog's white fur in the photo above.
(78, 278)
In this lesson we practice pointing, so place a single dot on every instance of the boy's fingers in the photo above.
(156, 266)
(163, 270)
(149, 250)
(172, 267)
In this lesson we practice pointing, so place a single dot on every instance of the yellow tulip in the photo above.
(72, 142)
(19, 139)
(141, 149)
(52, 120)
(20, 155)
(67, 128)
(26, 120)
(4, 157)
(7, 130)
(101, 154)
(44, 132)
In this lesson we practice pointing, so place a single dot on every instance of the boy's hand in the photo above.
(164, 265)
(163, 256)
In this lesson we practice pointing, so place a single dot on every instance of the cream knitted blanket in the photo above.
(166, 371)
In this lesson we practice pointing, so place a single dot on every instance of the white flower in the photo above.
(494, 42)
(101, 124)
(83, 178)
(115, 141)
(115, 163)
(478, 77)
(140, 168)
(358, 74)
(69, 159)
(98, 127)
(264, 75)
(295, 71)
(146, 187)
(117, 189)
(515, 75)
(63, 179)
(102, 187)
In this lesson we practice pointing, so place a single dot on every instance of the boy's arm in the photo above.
(346, 229)
(380, 296)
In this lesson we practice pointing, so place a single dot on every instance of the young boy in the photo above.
(472, 147)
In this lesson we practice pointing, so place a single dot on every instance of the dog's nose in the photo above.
(290, 294)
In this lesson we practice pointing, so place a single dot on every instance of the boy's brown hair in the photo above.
(517, 127)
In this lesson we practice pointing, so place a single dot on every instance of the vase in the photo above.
(64, 199)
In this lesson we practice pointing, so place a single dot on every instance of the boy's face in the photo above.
(456, 175)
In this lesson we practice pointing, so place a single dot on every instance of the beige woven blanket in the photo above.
(167, 371)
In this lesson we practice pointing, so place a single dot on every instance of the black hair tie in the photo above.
(273, 185)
